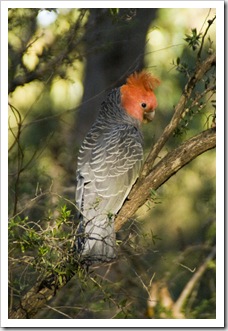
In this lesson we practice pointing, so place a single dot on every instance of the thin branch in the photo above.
(41, 195)
(179, 109)
(151, 179)
(50, 66)
(38, 296)
(18, 119)
(191, 284)
(195, 102)
(58, 311)
(210, 22)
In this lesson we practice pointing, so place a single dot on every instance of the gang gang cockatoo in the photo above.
(109, 163)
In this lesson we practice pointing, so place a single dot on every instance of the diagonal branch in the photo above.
(152, 177)
(38, 296)
(200, 71)
(162, 171)
(190, 285)
(33, 300)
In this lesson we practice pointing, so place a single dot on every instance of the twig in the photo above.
(191, 284)
(50, 66)
(210, 22)
(41, 195)
(58, 311)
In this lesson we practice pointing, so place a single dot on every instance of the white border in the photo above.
(113, 4)
(219, 321)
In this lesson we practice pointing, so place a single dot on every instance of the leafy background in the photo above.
(60, 69)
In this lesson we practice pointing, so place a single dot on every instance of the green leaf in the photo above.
(114, 11)
(193, 40)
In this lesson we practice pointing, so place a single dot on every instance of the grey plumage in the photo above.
(109, 162)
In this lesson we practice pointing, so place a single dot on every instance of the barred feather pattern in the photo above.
(109, 162)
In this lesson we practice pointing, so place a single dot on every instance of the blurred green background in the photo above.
(62, 63)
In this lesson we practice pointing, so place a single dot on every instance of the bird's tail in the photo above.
(96, 240)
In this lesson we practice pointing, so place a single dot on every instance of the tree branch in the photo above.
(190, 285)
(200, 71)
(33, 300)
(162, 171)
(167, 167)
(152, 178)
(47, 69)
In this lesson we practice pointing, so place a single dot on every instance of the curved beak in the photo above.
(148, 116)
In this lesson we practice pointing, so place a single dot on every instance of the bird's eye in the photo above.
(143, 105)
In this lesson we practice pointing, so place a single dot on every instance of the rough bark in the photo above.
(32, 302)
(109, 66)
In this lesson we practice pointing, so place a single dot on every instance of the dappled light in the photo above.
(62, 64)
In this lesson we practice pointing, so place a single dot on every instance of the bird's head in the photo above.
(137, 96)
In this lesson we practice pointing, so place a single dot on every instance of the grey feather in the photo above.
(109, 162)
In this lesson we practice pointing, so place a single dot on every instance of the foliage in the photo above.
(41, 247)
(171, 236)
(193, 40)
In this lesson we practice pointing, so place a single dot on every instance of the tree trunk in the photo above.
(121, 46)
